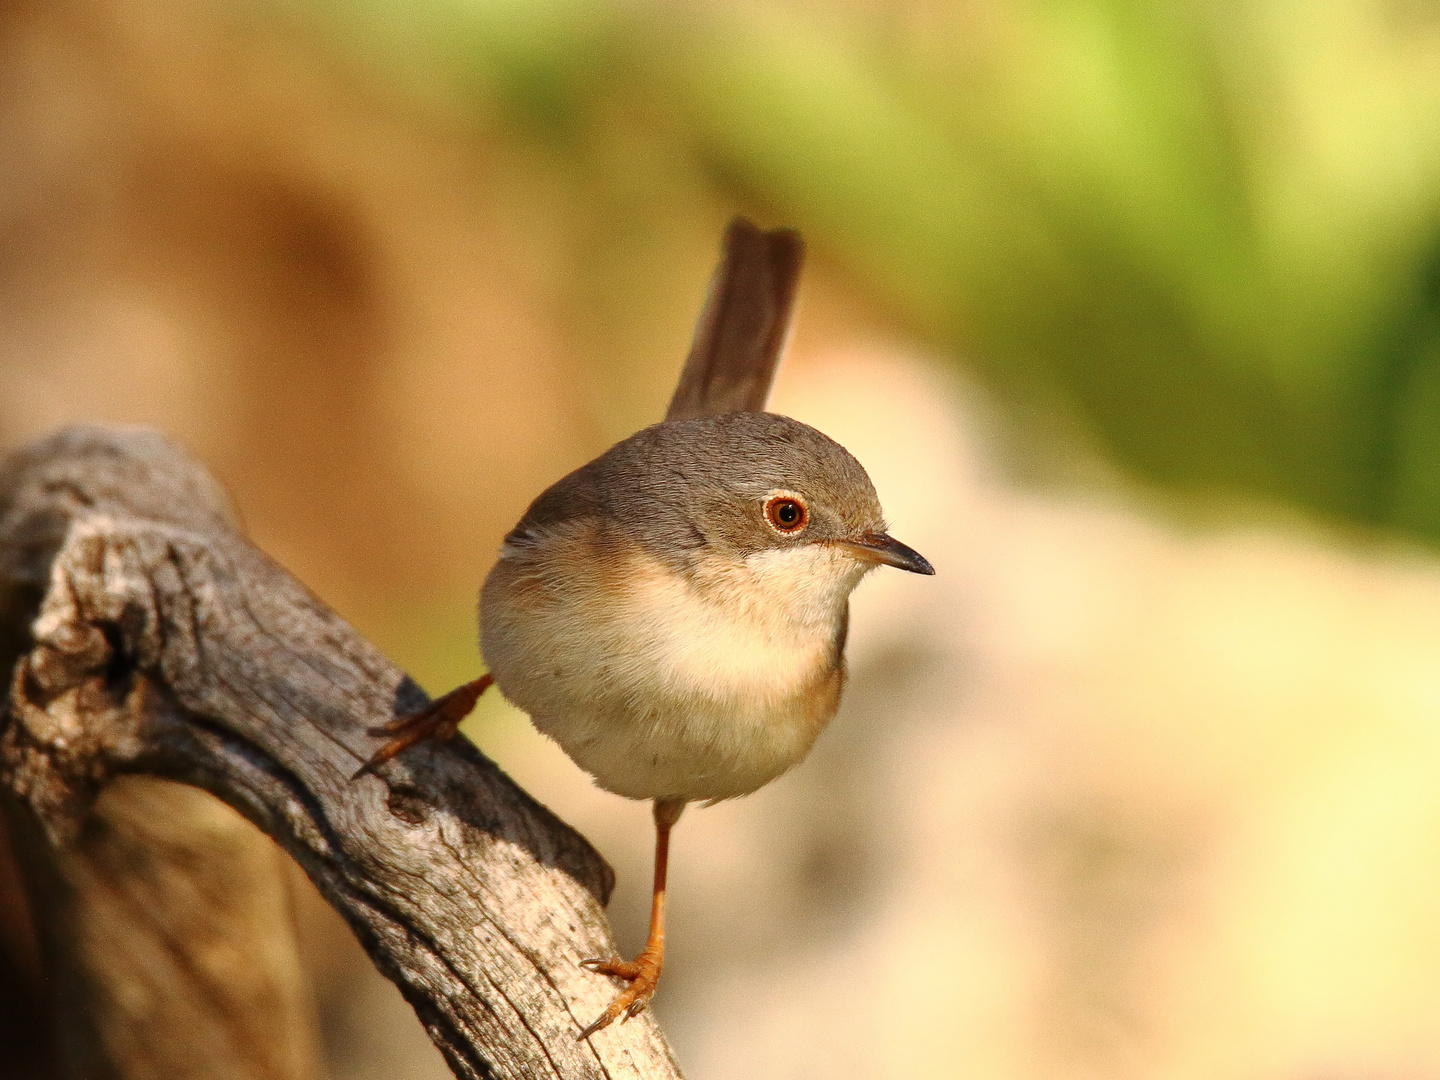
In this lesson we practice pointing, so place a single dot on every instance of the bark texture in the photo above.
(147, 637)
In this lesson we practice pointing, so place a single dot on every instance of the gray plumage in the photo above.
(681, 486)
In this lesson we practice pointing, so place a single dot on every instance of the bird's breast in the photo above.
(702, 685)
(732, 645)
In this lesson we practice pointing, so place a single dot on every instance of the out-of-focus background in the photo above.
(1131, 307)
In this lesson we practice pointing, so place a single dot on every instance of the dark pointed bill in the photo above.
(883, 548)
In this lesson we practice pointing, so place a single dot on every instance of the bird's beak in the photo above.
(883, 548)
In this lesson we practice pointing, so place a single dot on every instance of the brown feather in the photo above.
(742, 329)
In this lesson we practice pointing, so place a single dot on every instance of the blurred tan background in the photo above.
(1133, 326)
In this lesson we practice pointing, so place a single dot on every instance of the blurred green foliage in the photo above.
(1213, 230)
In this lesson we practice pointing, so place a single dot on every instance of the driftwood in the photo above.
(149, 639)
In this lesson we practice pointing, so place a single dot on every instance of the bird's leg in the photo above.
(643, 973)
(438, 720)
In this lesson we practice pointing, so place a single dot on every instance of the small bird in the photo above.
(674, 613)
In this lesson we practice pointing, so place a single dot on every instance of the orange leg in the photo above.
(643, 973)
(438, 720)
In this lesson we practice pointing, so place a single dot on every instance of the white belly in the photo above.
(660, 689)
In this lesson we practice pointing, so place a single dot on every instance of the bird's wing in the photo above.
(740, 334)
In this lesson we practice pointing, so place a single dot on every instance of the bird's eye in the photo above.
(786, 513)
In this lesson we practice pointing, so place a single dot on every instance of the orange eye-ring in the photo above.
(786, 513)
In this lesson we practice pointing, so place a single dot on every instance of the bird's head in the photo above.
(742, 495)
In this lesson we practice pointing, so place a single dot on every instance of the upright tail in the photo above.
(742, 330)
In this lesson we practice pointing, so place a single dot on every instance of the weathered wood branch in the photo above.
(147, 636)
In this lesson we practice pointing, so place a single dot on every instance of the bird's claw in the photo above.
(620, 969)
(438, 720)
(630, 1002)
(643, 974)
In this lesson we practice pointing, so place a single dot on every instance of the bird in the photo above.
(674, 613)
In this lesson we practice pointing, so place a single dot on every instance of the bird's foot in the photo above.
(438, 720)
(643, 975)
